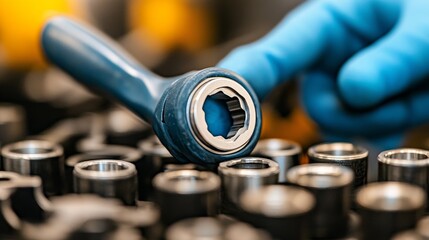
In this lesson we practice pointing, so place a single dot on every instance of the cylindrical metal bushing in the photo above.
(113, 152)
(243, 174)
(209, 228)
(404, 165)
(37, 158)
(387, 208)
(331, 186)
(186, 193)
(286, 153)
(283, 211)
(344, 154)
(107, 178)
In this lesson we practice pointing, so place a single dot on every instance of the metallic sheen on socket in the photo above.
(244, 174)
(344, 154)
(408, 165)
(112, 152)
(208, 228)
(107, 178)
(331, 186)
(283, 211)
(286, 153)
(36, 157)
(387, 208)
(186, 193)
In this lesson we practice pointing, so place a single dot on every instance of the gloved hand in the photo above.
(364, 64)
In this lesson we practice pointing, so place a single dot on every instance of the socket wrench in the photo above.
(244, 174)
(37, 158)
(283, 211)
(174, 106)
(344, 154)
(387, 208)
(286, 153)
(209, 228)
(404, 165)
(186, 193)
(331, 186)
(107, 178)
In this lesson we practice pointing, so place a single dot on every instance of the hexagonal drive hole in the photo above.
(224, 115)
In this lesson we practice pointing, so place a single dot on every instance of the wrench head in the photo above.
(208, 117)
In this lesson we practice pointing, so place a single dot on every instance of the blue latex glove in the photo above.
(359, 59)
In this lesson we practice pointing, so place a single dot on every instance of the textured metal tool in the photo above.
(344, 154)
(404, 165)
(113, 152)
(186, 193)
(244, 174)
(286, 153)
(387, 208)
(39, 158)
(331, 186)
(107, 178)
(175, 107)
(283, 211)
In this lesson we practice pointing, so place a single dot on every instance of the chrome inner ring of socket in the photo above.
(104, 169)
(391, 196)
(277, 200)
(405, 157)
(337, 151)
(240, 106)
(32, 150)
(320, 175)
(187, 181)
(249, 166)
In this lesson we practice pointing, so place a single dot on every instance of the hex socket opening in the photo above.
(405, 157)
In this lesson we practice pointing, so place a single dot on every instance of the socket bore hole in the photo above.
(105, 167)
(31, 150)
(4, 179)
(223, 114)
(407, 156)
(254, 164)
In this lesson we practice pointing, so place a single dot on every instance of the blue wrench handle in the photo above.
(102, 65)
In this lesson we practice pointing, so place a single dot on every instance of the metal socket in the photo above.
(37, 158)
(387, 208)
(113, 152)
(107, 178)
(283, 211)
(186, 193)
(343, 154)
(285, 153)
(331, 186)
(244, 174)
(407, 165)
(208, 228)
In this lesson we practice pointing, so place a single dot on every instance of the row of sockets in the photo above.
(322, 210)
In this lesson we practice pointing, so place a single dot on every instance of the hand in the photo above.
(360, 59)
